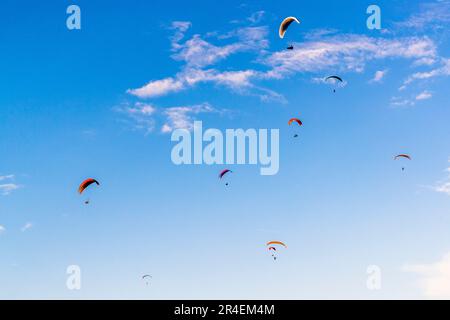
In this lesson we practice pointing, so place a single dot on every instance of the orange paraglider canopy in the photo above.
(86, 183)
(276, 242)
(295, 120)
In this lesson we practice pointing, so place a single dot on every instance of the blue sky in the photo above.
(101, 102)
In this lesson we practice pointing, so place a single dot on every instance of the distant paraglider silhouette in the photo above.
(147, 278)
(295, 120)
(334, 80)
(223, 173)
(273, 249)
(84, 185)
(403, 156)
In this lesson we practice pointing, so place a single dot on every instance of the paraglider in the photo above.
(403, 156)
(147, 278)
(295, 120)
(273, 254)
(285, 25)
(223, 173)
(272, 247)
(334, 80)
(84, 185)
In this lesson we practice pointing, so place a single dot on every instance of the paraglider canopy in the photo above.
(223, 173)
(276, 242)
(334, 78)
(285, 25)
(406, 156)
(146, 277)
(86, 183)
(291, 121)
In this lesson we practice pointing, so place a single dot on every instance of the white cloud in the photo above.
(144, 117)
(182, 117)
(443, 186)
(434, 278)
(7, 177)
(433, 15)
(180, 28)
(197, 54)
(316, 34)
(7, 188)
(325, 50)
(379, 75)
(2, 229)
(443, 70)
(347, 52)
(26, 227)
(401, 102)
(256, 17)
(141, 115)
(157, 88)
(424, 95)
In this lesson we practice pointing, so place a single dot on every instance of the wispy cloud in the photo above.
(325, 50)
(432, 16)
(345, 52)
(401, 102)
(140, 114)
(379, 76)
(198, 53)
(7, 188)
(26, 227)
(256, 17)
(183, 117)
(316, 34)
(443, 186)
(2, 229)
(433, 278)
(425, 95)
(7, 177)
(179, 28)
(442, 70)
(146, 118)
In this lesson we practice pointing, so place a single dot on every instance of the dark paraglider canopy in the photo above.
(406, 156)
(335, 78)
(224, 172)
(147, 278)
